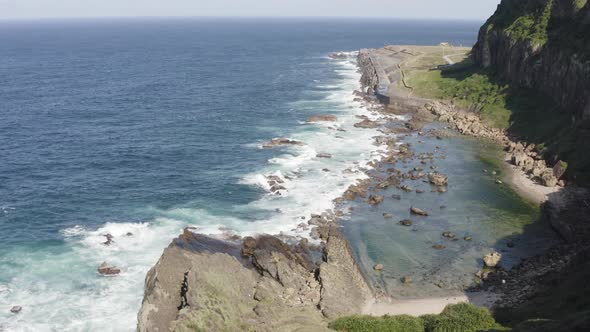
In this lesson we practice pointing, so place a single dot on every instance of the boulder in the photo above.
(378, 267)
(492, 259)
(548, 179)
(383, 185)
(108, 270)
(375, 199)
(367, 124)
(559, 169)
(417, 211)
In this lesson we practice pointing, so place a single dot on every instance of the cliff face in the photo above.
(262, 284)
(542, 45)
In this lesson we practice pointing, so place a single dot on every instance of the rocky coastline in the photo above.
(267, 282)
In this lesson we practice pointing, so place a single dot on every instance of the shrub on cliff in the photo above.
(461, 317)
(401, 323)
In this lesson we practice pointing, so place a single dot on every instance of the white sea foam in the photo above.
(60, 290)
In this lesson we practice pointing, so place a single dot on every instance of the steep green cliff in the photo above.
(544, 45)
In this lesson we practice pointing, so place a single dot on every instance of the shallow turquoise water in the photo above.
(492, 214)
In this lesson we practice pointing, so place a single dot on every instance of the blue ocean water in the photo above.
(146, 126)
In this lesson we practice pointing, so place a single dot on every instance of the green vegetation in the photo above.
(523, 20)
(461, 317)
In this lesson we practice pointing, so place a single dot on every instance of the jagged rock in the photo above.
(375, 199)
(281, 142)
(548, 179)
(417, 211)
(438, 179)
(248, 246)
(367, 124)
(108, 270)
(559, 169)
(16, 309)
(205, 283)
(322, 118)
(109, 240)
(492, 259)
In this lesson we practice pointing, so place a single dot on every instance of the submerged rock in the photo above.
(438, 247)
(376, 199)
(407, 280)
(406, 222)
(108, 270)
(378, 267)
(417, 211)
(16, 309)
(322, 118)
(323, 155)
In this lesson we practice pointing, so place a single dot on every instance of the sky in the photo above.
(449, 9)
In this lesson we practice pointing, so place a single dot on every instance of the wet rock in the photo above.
(375, 199)
(407, 280)
(383, 185)
(378, 267)
(492, 259)
(467, 238)
(498, 181)
(323, 155)
(396, 197)
(108, 270)
(406, 188)
(129, 234)
(417, 211)
(248, 246)
(322, 118)
(419, 191)
(449, 235)
(315, 233)
(282, 141)
(438, 247)
(367, 124)
(387, 215)
(338, 55)
(16, 309)
(438, 179)
(109, 240)
(325, 170)
(442, 190)
(406, 222)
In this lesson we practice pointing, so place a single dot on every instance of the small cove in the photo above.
(492, 214)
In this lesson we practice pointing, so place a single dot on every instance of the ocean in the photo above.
(141, 127)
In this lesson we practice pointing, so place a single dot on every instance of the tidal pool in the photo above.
(492, 214)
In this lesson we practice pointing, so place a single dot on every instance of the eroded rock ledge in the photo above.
(262, 283)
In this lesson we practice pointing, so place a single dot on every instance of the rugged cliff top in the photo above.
(263, 283)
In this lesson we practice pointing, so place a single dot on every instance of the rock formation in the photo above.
(261, 283)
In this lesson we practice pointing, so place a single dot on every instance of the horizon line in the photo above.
(89, 17)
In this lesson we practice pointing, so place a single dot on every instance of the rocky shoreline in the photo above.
(271, 281)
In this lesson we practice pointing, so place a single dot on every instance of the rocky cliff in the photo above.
(241, 284)
(543, 45)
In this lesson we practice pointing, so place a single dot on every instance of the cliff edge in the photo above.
(264, 284)
(543, 45)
